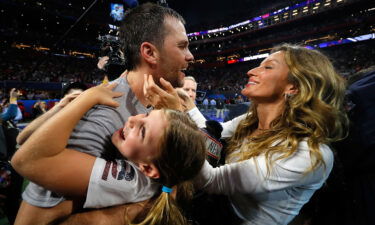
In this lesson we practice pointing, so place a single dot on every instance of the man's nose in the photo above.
(189, 57)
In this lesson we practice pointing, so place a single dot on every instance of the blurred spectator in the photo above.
(212, 104)
(190, 86)
(205, 104)
(39, 108)
(220, 109)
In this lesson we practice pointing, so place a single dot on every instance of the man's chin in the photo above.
(177, 83)
(180, 84)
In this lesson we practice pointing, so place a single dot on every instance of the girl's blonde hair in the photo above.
(181, 157)
(315, 113)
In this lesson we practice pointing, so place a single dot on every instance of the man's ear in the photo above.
(149, 169)
(149, 53)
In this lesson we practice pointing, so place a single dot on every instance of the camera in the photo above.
(111, 47)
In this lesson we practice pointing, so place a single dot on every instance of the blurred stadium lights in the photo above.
(235, 58)
(306, 7)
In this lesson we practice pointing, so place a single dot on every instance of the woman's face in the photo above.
(138, 140)
(269, 81)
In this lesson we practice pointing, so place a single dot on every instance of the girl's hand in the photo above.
(67, 99)
(103, 94)
(160, 98)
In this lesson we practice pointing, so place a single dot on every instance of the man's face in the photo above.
(174, 55)
(191, 88)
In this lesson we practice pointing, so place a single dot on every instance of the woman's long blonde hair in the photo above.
(315, 113)
(181, 157)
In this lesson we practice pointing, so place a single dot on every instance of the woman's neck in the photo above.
(267, 112)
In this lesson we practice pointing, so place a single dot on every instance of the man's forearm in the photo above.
(35, 124)
(108, 216)
(116, 215)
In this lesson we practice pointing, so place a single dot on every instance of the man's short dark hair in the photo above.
(144, 23)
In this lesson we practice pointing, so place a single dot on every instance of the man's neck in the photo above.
(135, 80)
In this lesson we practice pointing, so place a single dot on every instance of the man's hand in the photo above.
(160, 98)
(116, 215)
(13, 95)
(102, 62)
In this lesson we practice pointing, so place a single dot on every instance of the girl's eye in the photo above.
(143, 131)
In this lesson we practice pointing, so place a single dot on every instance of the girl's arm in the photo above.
(36, 123)
(44, 158)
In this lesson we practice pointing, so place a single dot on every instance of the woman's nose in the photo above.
(253, 71)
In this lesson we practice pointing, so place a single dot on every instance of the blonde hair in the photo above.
(315, 113)
(181, 157)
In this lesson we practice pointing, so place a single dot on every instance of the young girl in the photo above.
(163, 149)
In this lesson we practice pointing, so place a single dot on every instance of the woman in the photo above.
(278, 152)
(151, 143)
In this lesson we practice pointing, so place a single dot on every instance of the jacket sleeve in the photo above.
(229, 127)
(11, 113)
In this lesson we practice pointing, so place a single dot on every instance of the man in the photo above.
(205, 105)
(220, 109)
(154, 41)
(190, 86)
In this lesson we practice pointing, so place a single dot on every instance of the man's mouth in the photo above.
(183, 70)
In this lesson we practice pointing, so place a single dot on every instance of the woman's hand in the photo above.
(160, 98)
(103, 94)
(186, 101)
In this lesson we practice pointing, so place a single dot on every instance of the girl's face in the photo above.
(138, 140)
(269, 81)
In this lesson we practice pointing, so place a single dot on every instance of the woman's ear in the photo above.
(149, 53)
(149, 169)
(291, 89)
